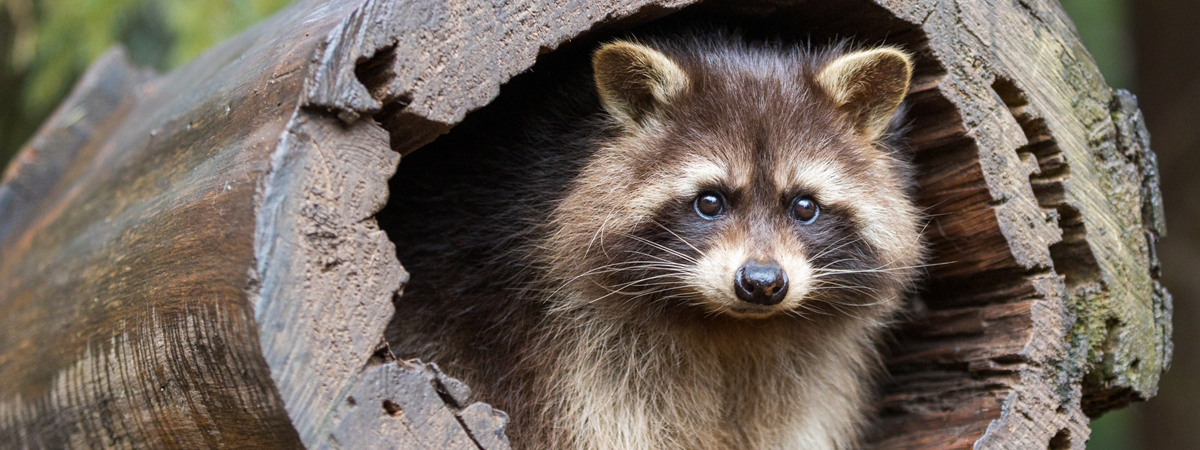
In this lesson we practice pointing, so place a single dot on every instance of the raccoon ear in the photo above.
(634, 81)
(868, 85)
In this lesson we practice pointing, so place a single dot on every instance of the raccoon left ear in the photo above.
(868, 85)
(634, 81)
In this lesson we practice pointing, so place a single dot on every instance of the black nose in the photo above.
(760, 283)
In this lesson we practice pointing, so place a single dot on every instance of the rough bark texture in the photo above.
(191, 260)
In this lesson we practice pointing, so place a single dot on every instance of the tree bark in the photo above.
(192, 259)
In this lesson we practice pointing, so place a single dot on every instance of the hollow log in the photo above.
(192, 259)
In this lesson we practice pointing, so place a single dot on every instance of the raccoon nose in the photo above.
(760, 283)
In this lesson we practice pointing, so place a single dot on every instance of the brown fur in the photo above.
(561, 271)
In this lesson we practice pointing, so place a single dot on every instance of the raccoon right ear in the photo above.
(868, 85)
(634, 81)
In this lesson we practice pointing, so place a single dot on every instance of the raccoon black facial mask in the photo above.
(692, 245)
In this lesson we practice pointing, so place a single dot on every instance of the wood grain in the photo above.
(191, 260)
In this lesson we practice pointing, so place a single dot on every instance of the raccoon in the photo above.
(694, 245)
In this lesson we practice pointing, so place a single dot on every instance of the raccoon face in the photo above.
(748, 183)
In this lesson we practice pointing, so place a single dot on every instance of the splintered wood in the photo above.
(192, 260)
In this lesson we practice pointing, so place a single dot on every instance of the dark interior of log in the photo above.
(948, 368)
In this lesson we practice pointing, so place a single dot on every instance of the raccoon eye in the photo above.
(709, 205)
(805, 210)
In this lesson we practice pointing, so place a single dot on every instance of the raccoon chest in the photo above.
(664, 397)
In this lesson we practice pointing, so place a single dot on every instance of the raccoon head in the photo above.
(750, 182)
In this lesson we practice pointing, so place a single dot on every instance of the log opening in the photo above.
(954, 359)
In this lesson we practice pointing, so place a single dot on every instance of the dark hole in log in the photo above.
(391, 407)
(376, 72)
(1061, 440)
(932, 385)
(1099, 399)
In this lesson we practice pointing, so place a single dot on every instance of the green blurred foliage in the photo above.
(1104, 27)
(198, 24)
(1115, 430)
(46, 44)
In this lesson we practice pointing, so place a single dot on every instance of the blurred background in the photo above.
(1146, 46)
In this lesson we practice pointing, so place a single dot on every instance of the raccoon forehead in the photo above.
(712, 172)
(827, 178)
(684, 180)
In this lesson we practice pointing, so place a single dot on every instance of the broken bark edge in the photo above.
(409, 402)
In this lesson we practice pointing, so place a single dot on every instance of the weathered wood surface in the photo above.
(191, 260)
